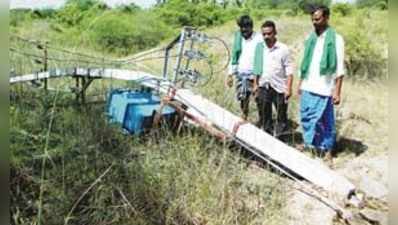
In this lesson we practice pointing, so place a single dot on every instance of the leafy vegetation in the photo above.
(365, 57)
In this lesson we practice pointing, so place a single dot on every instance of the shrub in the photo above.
(380, 4)
(18, 16)
(183, 13)
(126, 33)
(44, 13)
(73, 11)
(70, 15)
(364, 58)
(343, 9)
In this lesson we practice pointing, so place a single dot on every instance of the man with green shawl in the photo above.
(321, 78)
(245, 41)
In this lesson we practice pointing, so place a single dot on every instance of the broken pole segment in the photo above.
(310, 169)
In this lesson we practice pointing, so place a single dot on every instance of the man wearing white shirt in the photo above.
(321, 78)
(245, 41)
(274, 70)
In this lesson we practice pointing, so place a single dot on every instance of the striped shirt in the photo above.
(246, 59)
(277, 66)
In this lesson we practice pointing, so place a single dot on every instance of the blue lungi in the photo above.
(317, 119)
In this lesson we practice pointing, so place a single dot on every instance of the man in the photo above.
(274, 70)
(321, 79)
(241, 67)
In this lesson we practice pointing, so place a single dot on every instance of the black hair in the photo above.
(245, 21)
(325, 10)
(269, 23)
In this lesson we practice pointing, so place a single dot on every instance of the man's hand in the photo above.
(299, 92)
(288, 93)
(255, 90)
(299, 89)
(336, 99)
(255, 87)
(229, 81)
(337, 90)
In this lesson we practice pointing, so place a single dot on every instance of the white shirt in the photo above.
(246, 59)
(277, 66)
(324, 85)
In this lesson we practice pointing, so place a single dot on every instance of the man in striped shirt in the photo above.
(245, 41)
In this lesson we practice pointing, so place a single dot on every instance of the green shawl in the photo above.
(236, 48)
(329, 57)
(258, 59)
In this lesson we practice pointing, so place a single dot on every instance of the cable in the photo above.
(107, 61)
(25, 53)
(136, 57)
(51, 47)
(228, 53)
(150, 58)
(101, 64)
(80, 54)
(25, 39)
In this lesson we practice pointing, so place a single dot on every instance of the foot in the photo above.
(305, 148)
(300, 147)
(328, 158)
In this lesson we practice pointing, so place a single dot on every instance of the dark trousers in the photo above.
(267, 97)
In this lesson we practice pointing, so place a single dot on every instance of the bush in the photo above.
(18, 16)
(364, 58)
(380, 4)
(73, 11)
(125, 33)
(179, 13)
(70, 15)
(44, 13)
(343, 9)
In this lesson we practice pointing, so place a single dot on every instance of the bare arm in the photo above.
(255, 85)
(299, 88)
(289, 84)
(337, 90)
(340, 71)
(289, 67)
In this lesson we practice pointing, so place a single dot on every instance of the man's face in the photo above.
(319, 20)
(268, 34)
(246, 32)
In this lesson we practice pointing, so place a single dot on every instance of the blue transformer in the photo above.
(135, 110)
